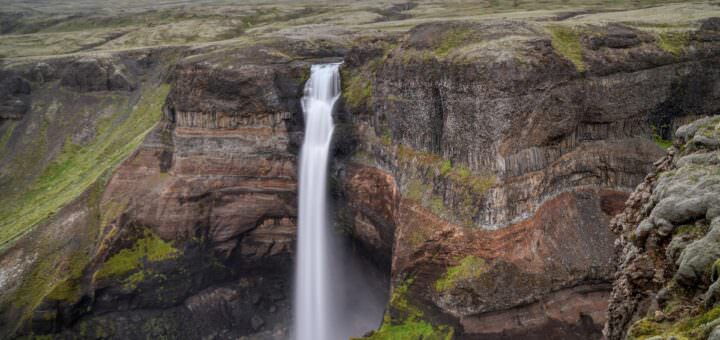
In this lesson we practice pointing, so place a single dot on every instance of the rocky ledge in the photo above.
(668, 247)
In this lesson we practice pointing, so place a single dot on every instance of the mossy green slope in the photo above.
(566, 41)
(469, 268)
(694, 327)
(149, 248)
(77, 166)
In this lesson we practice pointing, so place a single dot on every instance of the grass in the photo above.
(358, 91)
(7, 134)
(673, 42)
(149, 248)
(453, 39)
(694, 231)
(416, 190)
(42, 282)
(566, 41)
(57, 273)
(77, 167)
(410, 330)
(693, 327)
(469, 268)
(661, 142)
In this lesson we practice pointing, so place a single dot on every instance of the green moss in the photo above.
(67, 290)
(673, 42)
(399, 300)
(445, 168)
(463, 187)
(150, 248)
(416, 189)
(77, 167)
(691, 327)
(452, 40)
(643, 329)
(695, 231)
(437, 205)
(6, 135)
(410, 330)
(55, 277)
(469, 268)
(358, 91)
(133, 280)
(663, 143)
(386, 138)
(566, 41)
(408, 323)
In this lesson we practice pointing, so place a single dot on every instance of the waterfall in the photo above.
(314, 303)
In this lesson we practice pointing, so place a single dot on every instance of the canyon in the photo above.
(498, 175)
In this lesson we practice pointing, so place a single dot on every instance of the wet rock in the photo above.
(373, 200)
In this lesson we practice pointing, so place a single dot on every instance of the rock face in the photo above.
(92, 74)
(510, 158)
(14, 96)
(192, 235)
(668, 244)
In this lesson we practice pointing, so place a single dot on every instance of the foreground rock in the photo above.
(668, 247)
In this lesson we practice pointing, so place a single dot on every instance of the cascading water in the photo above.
(313, 300)
(338, 294)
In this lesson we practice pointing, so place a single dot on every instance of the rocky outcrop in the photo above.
(93, 74)
(511, 155)
(14, 96)
(667, 247)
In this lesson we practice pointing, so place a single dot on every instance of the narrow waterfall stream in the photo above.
(313, 300)
(338, 294)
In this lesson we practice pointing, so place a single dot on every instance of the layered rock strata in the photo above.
(192, 235)
(511, 156)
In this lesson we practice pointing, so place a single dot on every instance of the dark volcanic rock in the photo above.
(92, 74)
(14, 96)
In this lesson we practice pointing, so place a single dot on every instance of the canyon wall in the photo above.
(153, 192)
(192, 235)
(511, 156)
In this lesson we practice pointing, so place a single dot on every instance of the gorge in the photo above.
(420, 170)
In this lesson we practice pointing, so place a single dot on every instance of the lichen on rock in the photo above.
(670, 243)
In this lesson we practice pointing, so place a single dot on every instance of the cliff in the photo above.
(511, 156)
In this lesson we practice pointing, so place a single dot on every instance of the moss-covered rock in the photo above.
(150, 248)
(405, 320)
(469, 268)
